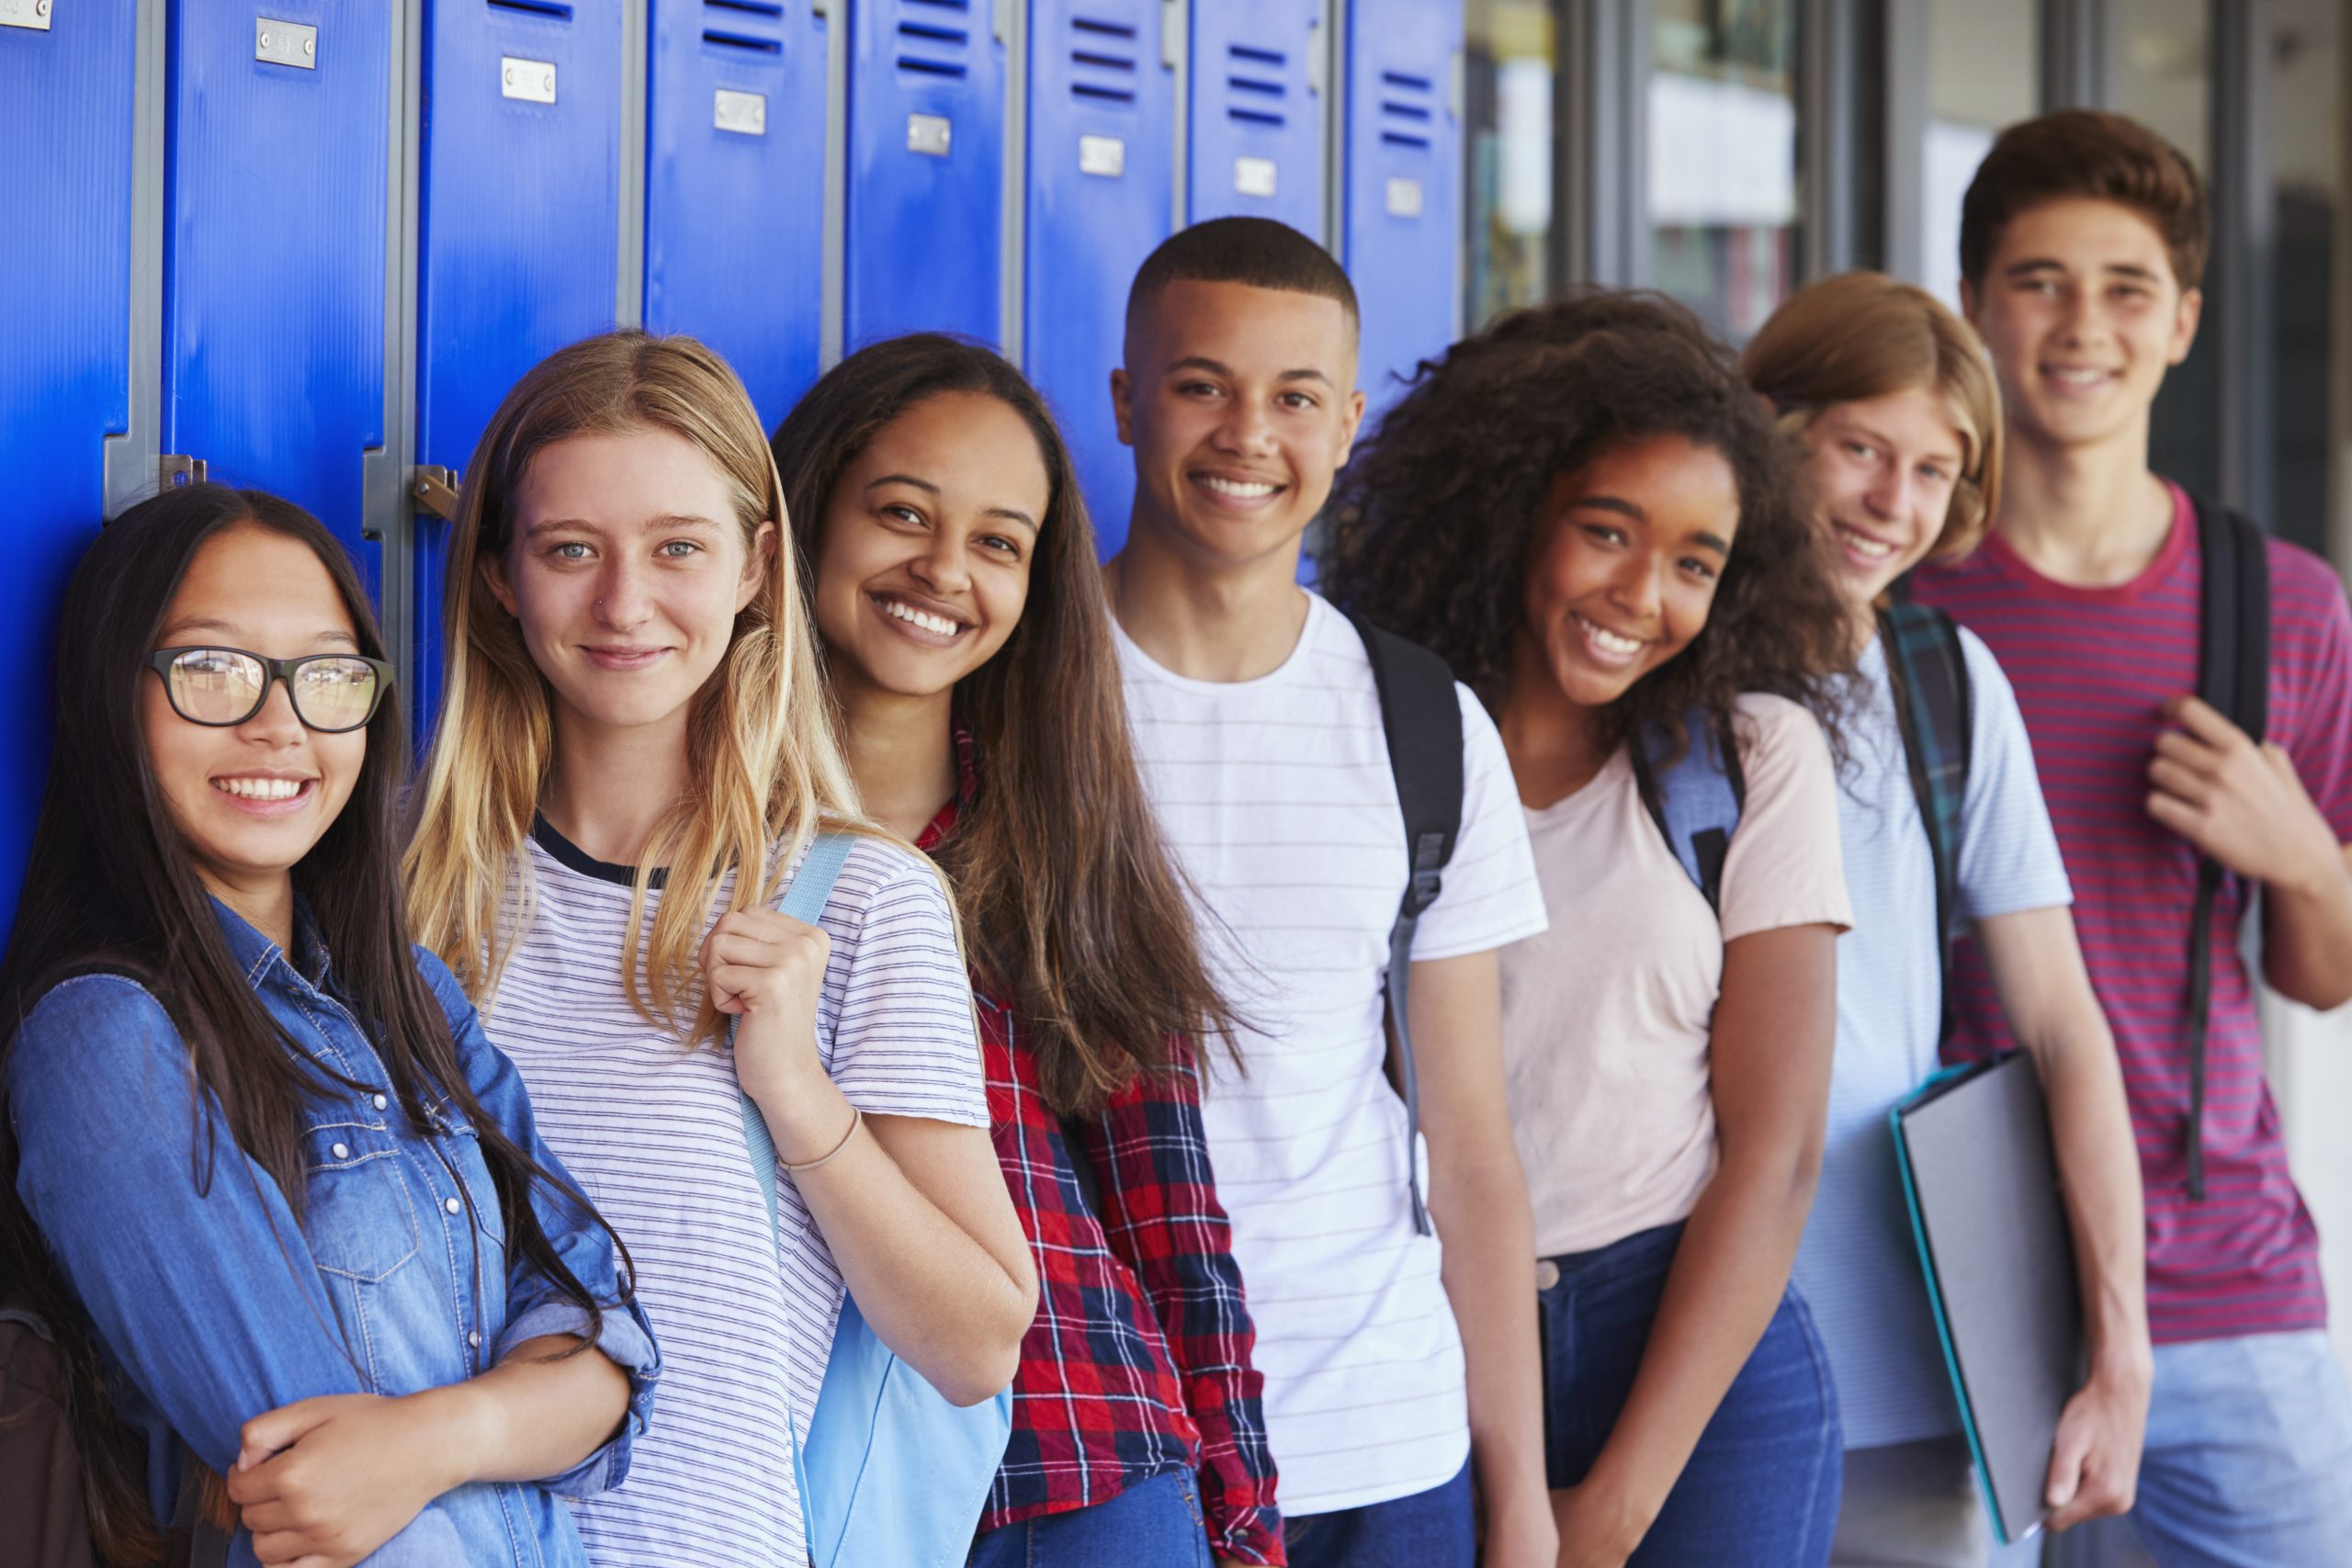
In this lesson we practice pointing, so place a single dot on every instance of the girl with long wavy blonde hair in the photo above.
(633, 752)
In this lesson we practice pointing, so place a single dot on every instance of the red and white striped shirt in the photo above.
(2090, 666)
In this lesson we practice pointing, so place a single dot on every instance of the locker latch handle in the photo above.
(174, 470)
(436, 489)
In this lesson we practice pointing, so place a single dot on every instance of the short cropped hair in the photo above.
(2092, 155)
(1254, 251)
(1862, 335)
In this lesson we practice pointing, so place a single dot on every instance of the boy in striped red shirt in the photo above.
(2082, 247)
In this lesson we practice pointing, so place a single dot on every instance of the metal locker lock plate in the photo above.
(1403, 199)
(928, 134)
(286, 43)
(29, 13)
(1254, 176)
(1103, 155)
(533, 81)
(745, 114)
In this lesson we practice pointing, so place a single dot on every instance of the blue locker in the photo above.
(519, 209)
(1255, 113)
(1403, 185)
(926, 170)
(734, 191)
(277, 142)
(66, 104)
(1101, 190)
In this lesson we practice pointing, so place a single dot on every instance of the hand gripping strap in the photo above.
(2233, 675)
(804, 901)
(1421, 719)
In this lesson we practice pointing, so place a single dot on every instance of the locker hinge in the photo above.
(820, 7)
(174, 470)
(1319, 60)
(436, 489)
(1003, 21)
(1171, 33)
(1456, 90)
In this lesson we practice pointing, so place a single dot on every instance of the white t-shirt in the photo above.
(1608, 1015)
(1276, 797)
(1858, 1266)
(653, 1130)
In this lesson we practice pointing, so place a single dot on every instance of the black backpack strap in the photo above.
(1421, 718)
(2233, 675)
(1934, 708)
(1697, 800)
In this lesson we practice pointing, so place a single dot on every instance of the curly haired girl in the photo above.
(1592, 518)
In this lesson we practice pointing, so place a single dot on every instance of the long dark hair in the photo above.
(1067, 893)
(1432, 522)
(111, 888)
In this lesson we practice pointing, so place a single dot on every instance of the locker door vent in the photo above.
(555, 10)
(1255, 92)
(1408, 109)
(934, 37)
(1102, 58)
(727, 24)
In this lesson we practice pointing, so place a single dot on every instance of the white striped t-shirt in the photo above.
(654, 1129)
(1276, 797)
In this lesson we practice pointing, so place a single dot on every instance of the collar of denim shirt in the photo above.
(254, 953)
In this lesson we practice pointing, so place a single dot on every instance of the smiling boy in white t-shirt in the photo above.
(1390, 1362)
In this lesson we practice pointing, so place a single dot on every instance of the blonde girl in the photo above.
(632, 754)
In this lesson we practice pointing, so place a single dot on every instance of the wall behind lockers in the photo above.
(306, 245)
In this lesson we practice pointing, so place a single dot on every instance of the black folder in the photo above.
(1973, 1144)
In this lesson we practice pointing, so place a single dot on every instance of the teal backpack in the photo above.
(889, 1472)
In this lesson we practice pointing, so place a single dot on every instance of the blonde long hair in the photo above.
(1861, 336)
(765, 760)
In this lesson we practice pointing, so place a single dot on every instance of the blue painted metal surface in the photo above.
(734, 197)
(520, 217)
(1403, 185)
(1255, 121)
(1101, 189)
(925, 222)
(274, 250)
(66, 101)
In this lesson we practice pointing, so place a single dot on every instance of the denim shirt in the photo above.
(215, 1305)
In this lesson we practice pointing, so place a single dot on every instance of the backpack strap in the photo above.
(1421, 718)
(1934, 708)
(1696, 801)
(2233, 675)
(804, 901)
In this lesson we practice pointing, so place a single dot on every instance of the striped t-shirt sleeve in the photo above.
(896, 1016)
(1489, 896)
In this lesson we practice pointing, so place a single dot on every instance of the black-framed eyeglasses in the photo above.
(332, 693)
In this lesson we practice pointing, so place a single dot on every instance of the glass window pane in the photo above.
(2306, 98)
(1722, 157)
(1511, 61)
(1984, 69)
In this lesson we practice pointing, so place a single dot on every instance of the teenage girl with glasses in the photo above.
(283, 1207)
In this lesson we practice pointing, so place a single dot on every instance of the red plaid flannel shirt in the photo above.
(1138, 1362)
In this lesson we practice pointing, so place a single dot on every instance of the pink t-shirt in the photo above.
(1608, 1014)
(2090, 666)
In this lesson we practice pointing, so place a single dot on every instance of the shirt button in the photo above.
(474, 1339)
(381, 1102)
(341, 1151)
(454, 1206)
(1548, 1274)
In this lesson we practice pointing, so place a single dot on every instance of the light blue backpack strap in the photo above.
(1696, 800)
(804, 901)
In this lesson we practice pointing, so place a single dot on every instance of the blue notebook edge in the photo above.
(1934, 1083)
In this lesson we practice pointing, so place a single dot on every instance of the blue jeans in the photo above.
(2248, 1463)
(1761, 1488)
(1156, 1523)
(1427, 1529)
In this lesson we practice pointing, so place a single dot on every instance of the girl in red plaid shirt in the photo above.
(954, 583)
